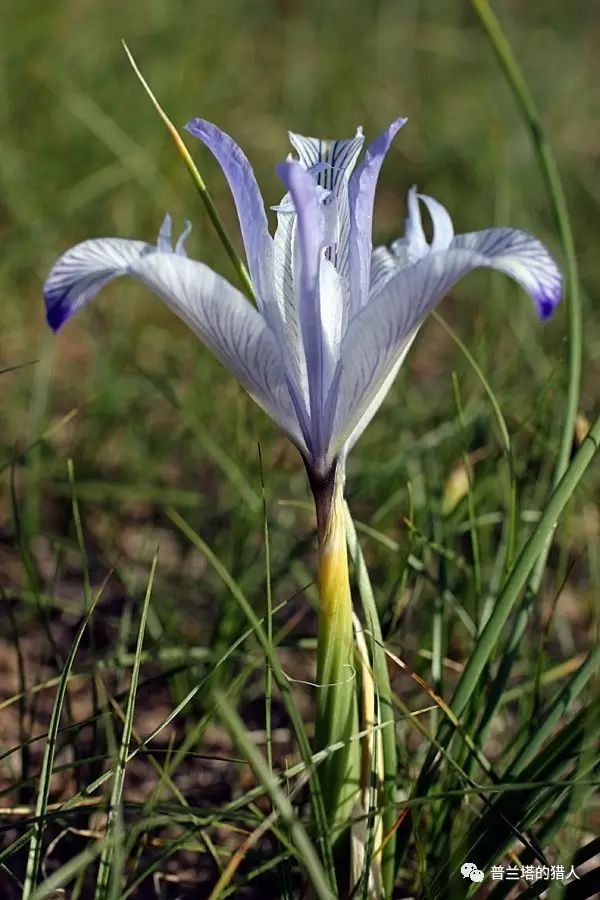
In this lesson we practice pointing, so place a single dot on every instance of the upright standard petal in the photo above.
(334, 159)
(382, 332)
(361, 194)
(309, 227)
(219, 314)
(387, 261)
(414, 241)
(247, 198)
(332, 162)
(284, 266)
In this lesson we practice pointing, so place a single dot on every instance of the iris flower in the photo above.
(334, 317)
(319, 349)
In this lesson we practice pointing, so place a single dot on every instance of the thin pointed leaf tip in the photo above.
(335, 316)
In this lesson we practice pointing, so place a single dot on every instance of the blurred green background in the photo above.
(156, 420)
(152, 422)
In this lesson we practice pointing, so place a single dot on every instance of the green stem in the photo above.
(336, 707)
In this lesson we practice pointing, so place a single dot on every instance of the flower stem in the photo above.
(337, 712)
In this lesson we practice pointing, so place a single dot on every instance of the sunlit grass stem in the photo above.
(200, 185)
(556, 195)
(385, 705)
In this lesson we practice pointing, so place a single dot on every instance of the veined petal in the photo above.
(164, 242)
(361, 193)
(285, 264)
(414, 235)
(335, 158)
(246, 195)
(309, 236)
(331, 291)
(219, 314)
(82, 271)
(332, 161)
(384, 265)
(443, 230)
(523, 257)
(381, 394)
(380, 335)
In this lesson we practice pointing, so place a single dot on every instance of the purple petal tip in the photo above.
(200, 128)
(56, 314)
(547, 301)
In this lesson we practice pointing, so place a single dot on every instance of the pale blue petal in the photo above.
(361, 193)
(443, 230)
(332, 162)
(387, 262)
(523, 257)
(414, 246)
(414, 233)
(164, 241)
(230, 326)
(384, 264)
(246, 195)
(379, 336)
(309, 230)
(331, 291)
(180, 243)
(82, 271)
(285, 265)
(368, 413)
(220, 315)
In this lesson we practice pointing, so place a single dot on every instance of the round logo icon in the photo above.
(470, 870)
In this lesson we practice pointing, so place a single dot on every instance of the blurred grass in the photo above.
(158, 423)
(83, 154)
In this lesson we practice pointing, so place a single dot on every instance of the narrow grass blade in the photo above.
(555, 712)
(281, 681)
(269, 618)
(35, 845)
(228, 466)
(110, 837)
(366, 836)
(70, 870)
(522, 568)
(17, 366)
(549, 170)
(545, 834)
(508, 595)
(475, 550)
(47, 433)
(386, 710)
(304, 848)
(83, 797)
(550, 173)
(503, 429)
(517, 578)
(199, 183)
(221, 888)
(521, 808)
